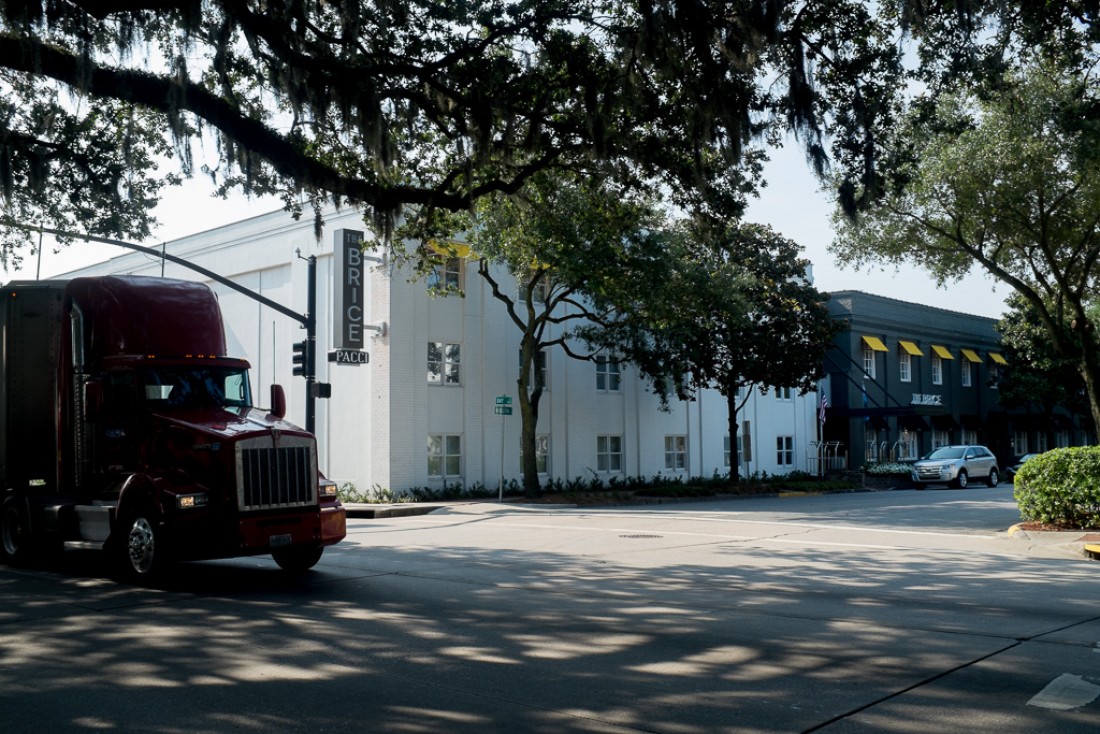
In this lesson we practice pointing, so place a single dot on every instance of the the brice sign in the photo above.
(924, 399)
(348, 293)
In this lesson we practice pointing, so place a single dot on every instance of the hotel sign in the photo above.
(922, 399)
(348, 291)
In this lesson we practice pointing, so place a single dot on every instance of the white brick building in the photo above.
(394, 424)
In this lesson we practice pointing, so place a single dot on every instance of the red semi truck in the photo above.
(126, 427)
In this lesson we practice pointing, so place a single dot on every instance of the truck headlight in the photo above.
(188, 501)
(327, 489)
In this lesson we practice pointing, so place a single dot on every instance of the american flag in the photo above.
(821, 410)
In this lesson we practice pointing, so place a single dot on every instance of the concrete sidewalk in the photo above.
(1072, 542)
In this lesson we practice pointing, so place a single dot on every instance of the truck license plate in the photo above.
(276, 541)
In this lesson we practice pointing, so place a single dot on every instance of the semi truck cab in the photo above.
(127, 427)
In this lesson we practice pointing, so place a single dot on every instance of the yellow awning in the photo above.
(911, 348)
(942, 352)
(971, 356)
(875, 343)
(996, 357)
(451, 248)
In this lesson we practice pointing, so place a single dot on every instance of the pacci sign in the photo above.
(348, 293)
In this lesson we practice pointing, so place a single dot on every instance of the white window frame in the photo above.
(676, 453)
(967, 374)
(609, 453)
(940, 437)
(539, 370)
(447, 275)
(869, 361)
(784, 394)
(937, 369)
(609, 376)
(784, 450)
(448, 361)
(905, 367)
(444, 455)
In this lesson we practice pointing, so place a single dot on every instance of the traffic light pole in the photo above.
(311, 344)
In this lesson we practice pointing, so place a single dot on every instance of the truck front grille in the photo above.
(273, 476)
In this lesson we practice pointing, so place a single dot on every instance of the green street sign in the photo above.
(504, 400)
(503, 410)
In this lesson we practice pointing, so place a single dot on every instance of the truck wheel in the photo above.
(297, 559)
(141, 551)
(14, 532)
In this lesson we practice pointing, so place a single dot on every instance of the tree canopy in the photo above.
(1008, 180)
(733, 311)
(382, 104)
(575, 251)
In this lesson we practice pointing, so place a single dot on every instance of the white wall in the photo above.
(374, 429)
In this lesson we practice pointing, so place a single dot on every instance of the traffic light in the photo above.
(301, 357)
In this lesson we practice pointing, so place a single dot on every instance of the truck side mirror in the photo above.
(93, 399)
(278, 401)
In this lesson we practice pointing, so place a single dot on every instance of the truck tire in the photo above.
(297, 559)
(14, 532)
(140, 550)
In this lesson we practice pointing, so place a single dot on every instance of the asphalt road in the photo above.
(881, 612)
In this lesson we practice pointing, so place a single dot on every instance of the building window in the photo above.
(784, 393)
(940, 437)
(1061, 439)
(905, 366)
(444, 455)
(538, 370)
(447, 275)
(542, 453)
(726, 450)
(994, 376)
(784, 450)
(676, 453)
(541, 291)
(1041, 442)
(937, 370)
(869, 361)
(443, 363)
(609, 453)
(970, 437)
(608, 377)
(1019, 443)
(967, 377)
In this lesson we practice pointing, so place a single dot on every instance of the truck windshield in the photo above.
(192, 386)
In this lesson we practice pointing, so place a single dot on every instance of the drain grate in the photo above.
(641, 536)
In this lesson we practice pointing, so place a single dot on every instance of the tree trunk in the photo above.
(731, 413)
(529, 419)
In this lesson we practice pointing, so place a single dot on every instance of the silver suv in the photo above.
(957, 465)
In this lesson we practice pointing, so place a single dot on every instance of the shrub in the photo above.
(1061, 487)
(887, 469)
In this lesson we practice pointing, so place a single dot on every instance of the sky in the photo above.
(791, 203)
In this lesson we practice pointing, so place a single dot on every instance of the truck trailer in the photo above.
(127, 428)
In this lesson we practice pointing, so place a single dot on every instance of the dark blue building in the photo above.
(905, 378)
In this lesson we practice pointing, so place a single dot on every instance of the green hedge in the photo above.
(1061, 487)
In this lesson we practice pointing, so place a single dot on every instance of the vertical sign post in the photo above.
(349, 292)
(503, 408)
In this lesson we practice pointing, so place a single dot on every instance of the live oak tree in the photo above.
(383, 104)
(1037, 377)
(1008, 180)
(575, 250)
(734, 311)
